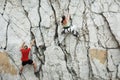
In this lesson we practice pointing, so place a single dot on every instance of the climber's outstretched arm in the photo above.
(22, 46)
(68, 17)
(32, 43)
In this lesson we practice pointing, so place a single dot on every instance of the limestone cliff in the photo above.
(94, 55)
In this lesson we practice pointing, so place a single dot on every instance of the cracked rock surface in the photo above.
(94, 55)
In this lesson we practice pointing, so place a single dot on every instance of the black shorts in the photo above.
(27, 62)
(66, 27)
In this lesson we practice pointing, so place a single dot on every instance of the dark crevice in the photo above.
(4, 7)
(7, 35)
(26, 14)
(41, 48)
(32, 35)
(39, 6)
(56, 29)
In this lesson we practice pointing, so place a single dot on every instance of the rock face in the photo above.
(94, 55)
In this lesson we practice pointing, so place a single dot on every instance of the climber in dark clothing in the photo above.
(25, 56)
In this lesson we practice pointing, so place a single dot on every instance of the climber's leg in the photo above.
(63, 31)
(21, 69)
(34, 66)
(69, 29)
(75, 33)
(23, 64)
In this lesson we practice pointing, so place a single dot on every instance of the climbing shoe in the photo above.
(63, 32)
(75, 35)
(36, 73)
(20, 73)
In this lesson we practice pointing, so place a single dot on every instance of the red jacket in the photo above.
(25, 54)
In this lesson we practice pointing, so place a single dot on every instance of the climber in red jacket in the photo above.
(25, 56)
